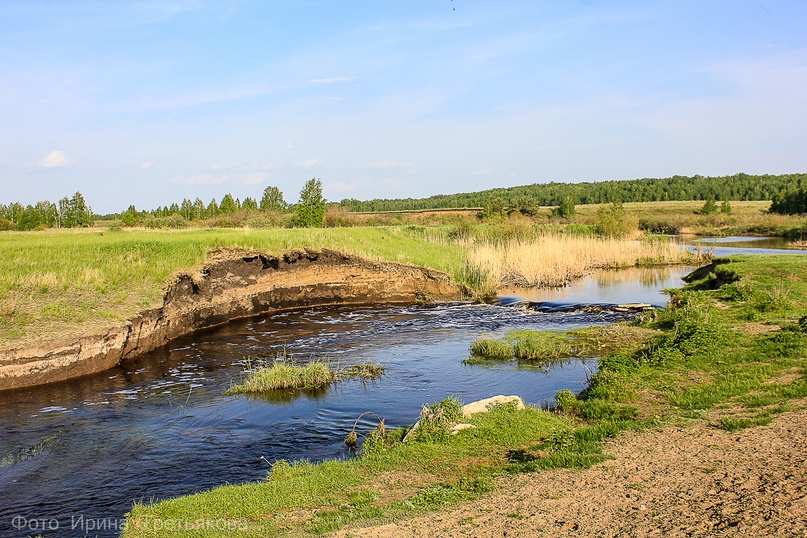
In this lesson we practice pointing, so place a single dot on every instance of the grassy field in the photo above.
(684, 217)
(731, 351)
(66, 282)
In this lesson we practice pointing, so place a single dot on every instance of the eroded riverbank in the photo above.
(233, 284)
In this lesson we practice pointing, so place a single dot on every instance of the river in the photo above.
(158, 426)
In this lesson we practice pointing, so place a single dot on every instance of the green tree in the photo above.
(273, 200)
(709, 207)
(725, 207)
(130, 217)
(311, 207)
(565, 209)
(228, 205)
(74, 212)
(249, 204)
(212, 208)
(613, 221)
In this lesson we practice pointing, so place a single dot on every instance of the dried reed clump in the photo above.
(555, 260)
(8, 307)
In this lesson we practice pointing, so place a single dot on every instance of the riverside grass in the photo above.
(287, 375)
(554, 260)
(56, 284)
(716, 355)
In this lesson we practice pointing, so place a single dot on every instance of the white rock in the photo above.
(483, 406)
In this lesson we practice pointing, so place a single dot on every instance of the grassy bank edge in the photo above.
(730, 351)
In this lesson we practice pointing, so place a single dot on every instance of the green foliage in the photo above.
(567, 401)
(613, 221)
(285, 375)
(228, 205)
(709, 207)
(790, 202)
(565, 209)
(437, 420)
(725, 207)
(496, 202)
(272, 200)
(492, 349)
(311, 207)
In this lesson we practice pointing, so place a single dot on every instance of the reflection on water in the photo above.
(728, 246)
(617, 286)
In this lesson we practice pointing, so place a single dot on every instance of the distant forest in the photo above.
(736, 187)
(787, 192)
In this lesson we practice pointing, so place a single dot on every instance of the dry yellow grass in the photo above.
(555, 260)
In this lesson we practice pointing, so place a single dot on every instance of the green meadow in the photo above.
(59, 283)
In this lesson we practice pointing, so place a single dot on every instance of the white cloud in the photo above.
(308, 163)
(254, 178)
(146, 165)
(55, 159)
(341, 186)
(334, 80)
(387, 164)
(201, 179)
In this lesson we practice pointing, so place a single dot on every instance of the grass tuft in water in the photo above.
(285, 374)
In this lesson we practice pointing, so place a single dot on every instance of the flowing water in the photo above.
(75, 455)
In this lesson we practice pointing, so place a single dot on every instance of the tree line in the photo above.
(68, 213)
(528, 198)
(788, 192)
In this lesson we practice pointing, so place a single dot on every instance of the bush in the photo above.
(613, 221)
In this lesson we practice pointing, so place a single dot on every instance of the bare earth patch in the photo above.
(693, 481)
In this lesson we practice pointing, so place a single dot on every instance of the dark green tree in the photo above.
(273, 200)
(725, 207)
(228, 205)
(709, 207)
(311, 207)
(565, 209)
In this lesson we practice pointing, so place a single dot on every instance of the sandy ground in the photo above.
(693, 481)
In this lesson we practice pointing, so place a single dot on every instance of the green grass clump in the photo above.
(285, 374)
(492, 349)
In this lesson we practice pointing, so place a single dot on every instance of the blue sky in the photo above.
(152, 102)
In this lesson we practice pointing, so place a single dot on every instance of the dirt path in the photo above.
(694, 481)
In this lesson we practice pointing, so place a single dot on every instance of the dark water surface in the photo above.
(75, 455)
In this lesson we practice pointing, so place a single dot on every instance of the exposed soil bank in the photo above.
(234, 284)
(695, 481)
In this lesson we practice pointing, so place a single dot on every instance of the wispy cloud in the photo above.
(343, 186)
(201, 179)
(309, 163)
(55, 159)
(146, 165)
(333, 80)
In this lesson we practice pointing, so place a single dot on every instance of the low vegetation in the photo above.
(286, 374)
(556, 259)
(542, 347)
(731, 350)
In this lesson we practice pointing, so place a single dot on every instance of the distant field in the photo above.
(63, 282)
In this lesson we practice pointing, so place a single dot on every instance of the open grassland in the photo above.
(69, 282)
(731, 352)
(745, 218)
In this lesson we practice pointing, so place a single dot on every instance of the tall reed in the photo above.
(555, 260)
